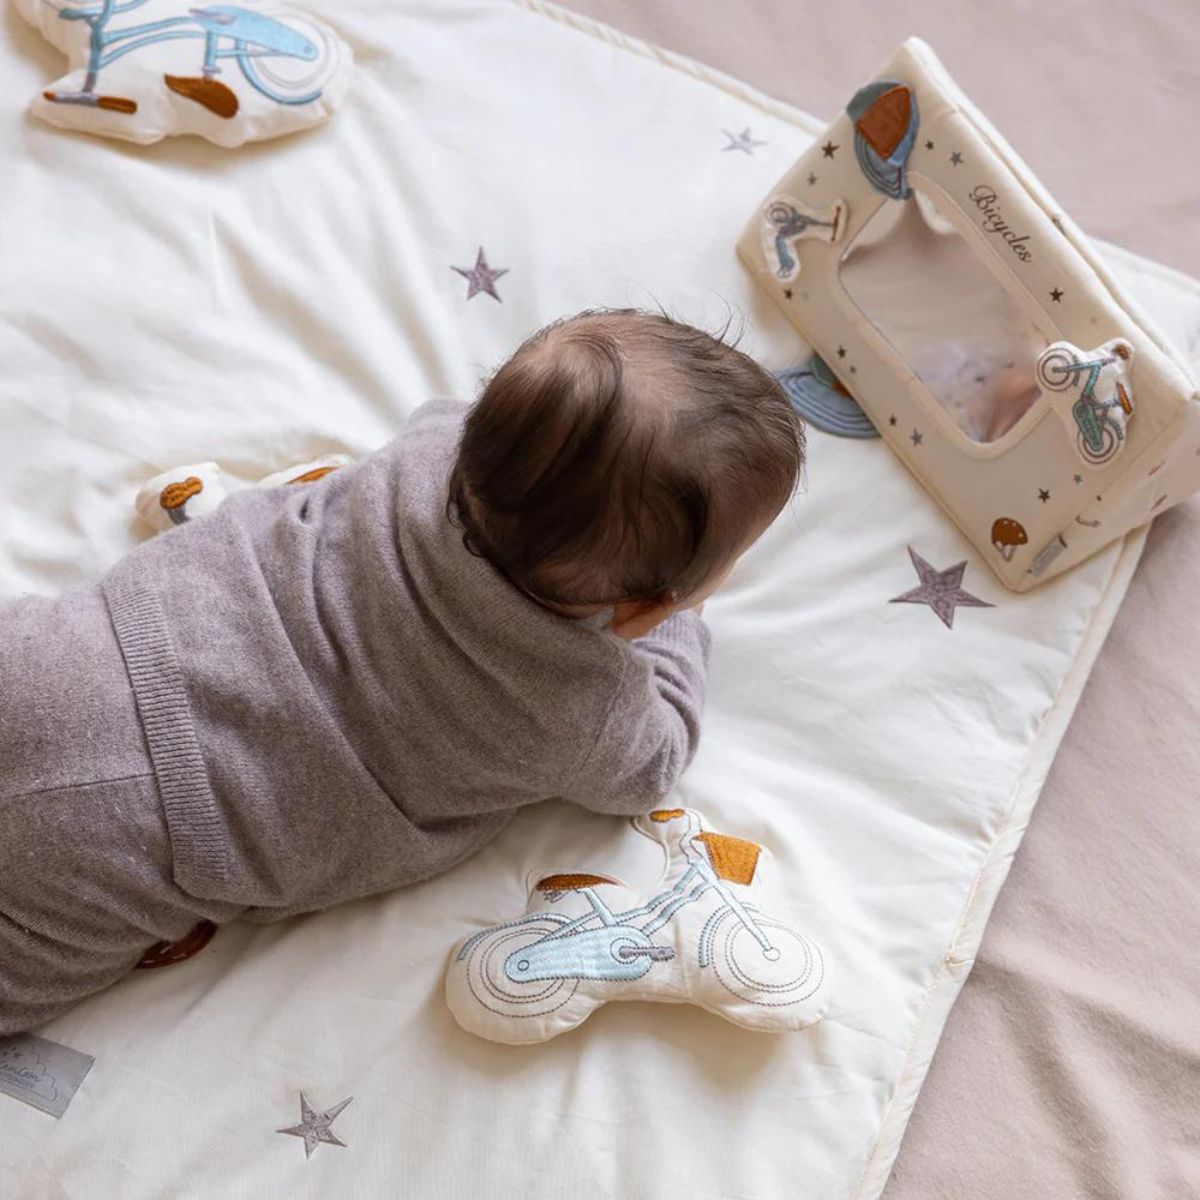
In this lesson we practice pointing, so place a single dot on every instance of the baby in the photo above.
(322, 692)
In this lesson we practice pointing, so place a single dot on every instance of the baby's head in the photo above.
(624, 460)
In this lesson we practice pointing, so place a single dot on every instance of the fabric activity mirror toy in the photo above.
(955, 310)
(143, 70)
(703, 938)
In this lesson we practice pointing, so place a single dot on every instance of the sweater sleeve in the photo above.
(652, 728)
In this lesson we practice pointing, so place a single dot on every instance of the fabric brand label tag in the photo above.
(40, 1072)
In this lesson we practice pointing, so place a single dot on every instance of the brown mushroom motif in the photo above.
(1007, 536)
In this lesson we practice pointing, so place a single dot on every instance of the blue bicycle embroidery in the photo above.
(537, 964)
(1104, 405)
(279, 61)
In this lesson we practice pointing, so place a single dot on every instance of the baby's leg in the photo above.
(86, 876)
(86, 890)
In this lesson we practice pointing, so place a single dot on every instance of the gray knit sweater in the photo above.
(338, 698)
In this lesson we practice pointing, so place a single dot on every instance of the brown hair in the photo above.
(621, 454)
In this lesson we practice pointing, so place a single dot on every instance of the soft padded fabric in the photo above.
(142, 70)
(708, 932)
(889, 759)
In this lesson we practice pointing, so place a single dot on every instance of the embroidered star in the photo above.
(1077, 478)
(811, 179)
(1043, 495)
(314, 1125)
(787, 292)
(941, 590)
(481, 277)
(841, 352)
(853, 370)
(829, 149)
(742, 141)
(917, 438)
(1056, 295)
(956, 158)
(928, 145)
(892, 420)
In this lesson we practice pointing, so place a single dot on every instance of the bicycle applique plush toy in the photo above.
(189, 492)
(702, 938)
(170, 68)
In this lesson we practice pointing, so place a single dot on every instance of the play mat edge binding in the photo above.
(993, 871)
(964, 943)
(737, 88)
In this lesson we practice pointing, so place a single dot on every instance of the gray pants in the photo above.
(86, 885)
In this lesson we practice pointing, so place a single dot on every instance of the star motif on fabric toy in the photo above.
(742, 141)
(829, 149)
(314, 1126)
(481, 277)
(941, 590)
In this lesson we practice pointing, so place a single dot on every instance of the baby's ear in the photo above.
(635, 618)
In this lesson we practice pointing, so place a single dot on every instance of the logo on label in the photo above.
(25, 1070)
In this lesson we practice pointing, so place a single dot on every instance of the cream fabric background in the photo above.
(154, 303)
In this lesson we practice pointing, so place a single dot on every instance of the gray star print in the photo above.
(742, 141)
(941, 590)
(481, 277)
(314, 1125)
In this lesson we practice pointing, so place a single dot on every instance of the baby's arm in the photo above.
(652, 728)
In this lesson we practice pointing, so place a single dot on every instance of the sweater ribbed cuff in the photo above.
(685, 631)
(197, 838)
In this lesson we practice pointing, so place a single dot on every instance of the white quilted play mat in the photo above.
(882, 712)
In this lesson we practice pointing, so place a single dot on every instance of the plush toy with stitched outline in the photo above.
(142, 70)
(702, 937)
(185, 493)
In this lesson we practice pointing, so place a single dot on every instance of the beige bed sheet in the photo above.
(1070, 1065)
